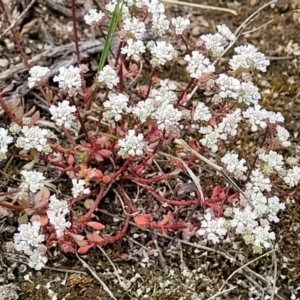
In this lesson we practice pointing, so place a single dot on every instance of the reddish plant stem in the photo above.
(173, 226)
(75, 32)
(8, 112)
(53, 163)
(88, 215)
(170, 201)
(150, 81)
(184, 92)
(150, 180)
(127, 201)
(63, 150)
(68, 135)
(185, 43)
(119, 235)
(21, 208)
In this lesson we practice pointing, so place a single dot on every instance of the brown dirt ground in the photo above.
(198, 274)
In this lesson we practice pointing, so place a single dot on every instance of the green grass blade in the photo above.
(111, 31)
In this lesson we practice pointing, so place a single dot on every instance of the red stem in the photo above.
(75, 32)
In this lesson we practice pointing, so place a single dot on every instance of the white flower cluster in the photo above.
(69, 79)
(63, 114)
(58, 209)
(108, 76)
(201, 113)
(258, 182)
(37, 75)
(93, 17)
(160, 24)
(217, 42)
(198, 65)
(211, 137)
(78, 188)
(180, 24)
(229, 86)
(283, 136)
(161, 52)
(5, 140)
(133, 49)
(234, 164)
(257, 117)
(33, 138)
(273, 161)
(248, 58)
(115, 106)
(159, 106)
(131, 145)
(292, 177)
(33, 181)
(134, 28)
(212, 229)
(29, 240)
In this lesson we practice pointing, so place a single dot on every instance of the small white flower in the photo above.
(273, 160)
(274, 206)
(115, 106)
(161, 52)
(234, 165)
(275, 118)
(248, 58)
(37, 261)
(258, 182)
(37, 75)
(58, 206)
(160, 24)
(215, 43)
(198, 65)
(243, 220)
(229, 86)
(257, 116)
(248, 93)
(213, 228)
(226, 32)
(69, 79)
(154, 6)
(33, 138)
(210, 139)
(167, 116)
(229, 124)
(93, 17)
(33, 181)
(283, 136)
(143, 109)
(201, 113)
(109, 76)
(78, 188)
(28, 237)
(134, 28)
(59, 222)
(133, 49)
(263, 236)
(292, 177)
(131, 145)
(63, 114)
(5, 139)
(180, 24)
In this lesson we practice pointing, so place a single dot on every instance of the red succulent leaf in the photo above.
(94, 237)
(85, 249)
(105, 153)
(168, 218)
(96, 225)
(142, 221)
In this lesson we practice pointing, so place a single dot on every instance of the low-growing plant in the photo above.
(106, 136)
